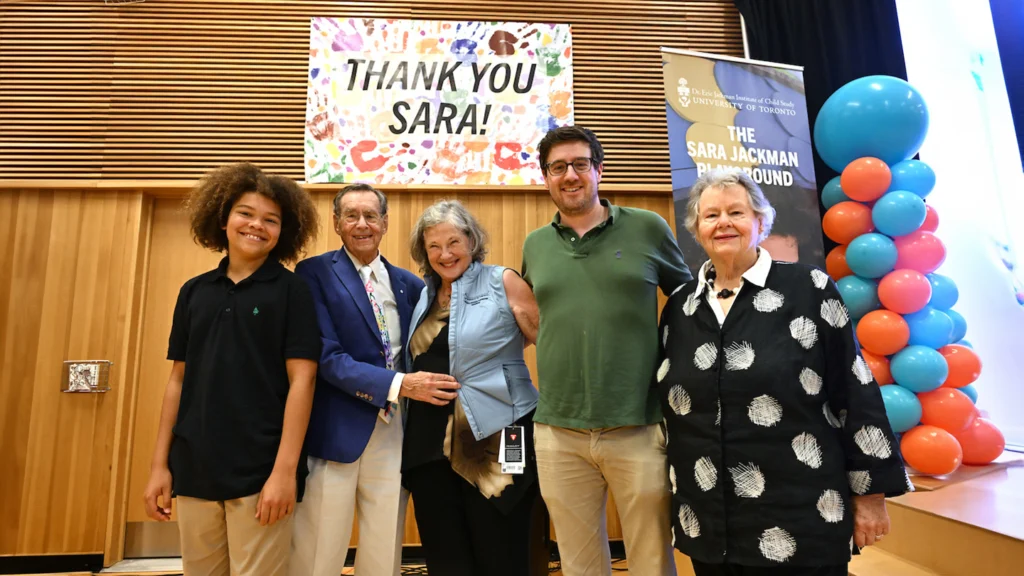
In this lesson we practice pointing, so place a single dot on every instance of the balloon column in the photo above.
(885, 267)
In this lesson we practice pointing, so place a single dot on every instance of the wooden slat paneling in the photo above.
(168, 89)
(66, 295)
(128, 372)
(114, 105)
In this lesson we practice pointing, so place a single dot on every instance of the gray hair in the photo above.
(723, 178)
(381, 198)
(447, 212)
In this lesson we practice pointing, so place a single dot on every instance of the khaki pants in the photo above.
(369, 489)
(576, 469)
(225, 538)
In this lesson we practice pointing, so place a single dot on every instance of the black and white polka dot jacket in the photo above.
(773, 421)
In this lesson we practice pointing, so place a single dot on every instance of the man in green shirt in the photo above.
(595, 271)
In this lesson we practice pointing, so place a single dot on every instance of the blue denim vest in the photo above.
(485, 349)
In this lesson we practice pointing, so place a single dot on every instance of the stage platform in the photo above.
(968, 524)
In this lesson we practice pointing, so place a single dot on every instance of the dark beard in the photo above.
(586, 205)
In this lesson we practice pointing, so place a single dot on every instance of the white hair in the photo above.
(447, 212)
(723, 178)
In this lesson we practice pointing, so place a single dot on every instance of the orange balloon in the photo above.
(865, 179)
(981, 442)
(964, 365)
(847, 220)
(835, 263)
(931, 450)
(883, 332)
(947, 408)
(879, 367)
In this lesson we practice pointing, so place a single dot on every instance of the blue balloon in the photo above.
(832, 194)
(929, 327)
(871, 255)
(859, 295)
(902, 407)
(898, 213)
(963, 342)
(879, 116)
(914, 176)
(919, 368)
(971, 392)
(959, 326)
(944, 292)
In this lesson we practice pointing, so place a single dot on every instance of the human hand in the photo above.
(437, 389)
(157, 496)
(870, 520)
(277, 499)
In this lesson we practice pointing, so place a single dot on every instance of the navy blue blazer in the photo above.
(352, 382)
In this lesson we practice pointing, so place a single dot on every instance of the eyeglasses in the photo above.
(372, 218)
(558, 167)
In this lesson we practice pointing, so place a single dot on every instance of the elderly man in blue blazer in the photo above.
(354, 439)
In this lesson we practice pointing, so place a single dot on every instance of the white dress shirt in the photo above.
(385, 297)
(757, 275)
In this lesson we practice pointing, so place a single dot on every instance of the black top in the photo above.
(426, 423)
(773, 418)
(234, 340)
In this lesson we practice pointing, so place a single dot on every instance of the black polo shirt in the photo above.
(234, 340)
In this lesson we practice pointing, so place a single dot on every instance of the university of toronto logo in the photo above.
(684, 93)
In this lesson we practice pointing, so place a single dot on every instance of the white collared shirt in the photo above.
(756, 274)
(385, 297)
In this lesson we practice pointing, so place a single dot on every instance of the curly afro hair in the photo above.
(211, 200)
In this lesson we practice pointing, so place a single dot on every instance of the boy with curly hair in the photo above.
(245, 344)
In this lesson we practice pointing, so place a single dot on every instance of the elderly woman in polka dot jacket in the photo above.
(779, 449)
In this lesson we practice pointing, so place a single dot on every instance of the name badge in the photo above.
(511, 454)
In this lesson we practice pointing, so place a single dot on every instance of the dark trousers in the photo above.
(462, 533)
(702, 569)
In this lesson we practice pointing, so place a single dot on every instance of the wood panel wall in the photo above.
(166, 89)
(68, 292)
(105, 107)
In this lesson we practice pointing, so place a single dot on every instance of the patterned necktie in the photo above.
(385, 337)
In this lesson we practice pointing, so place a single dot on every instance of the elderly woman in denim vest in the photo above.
(472, 322)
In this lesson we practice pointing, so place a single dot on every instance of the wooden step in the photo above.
(970, 528)
(875, 562)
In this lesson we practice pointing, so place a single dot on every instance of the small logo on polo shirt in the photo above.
(256, 311)
(618, 253)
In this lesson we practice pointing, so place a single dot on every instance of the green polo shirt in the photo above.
(598, 343)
